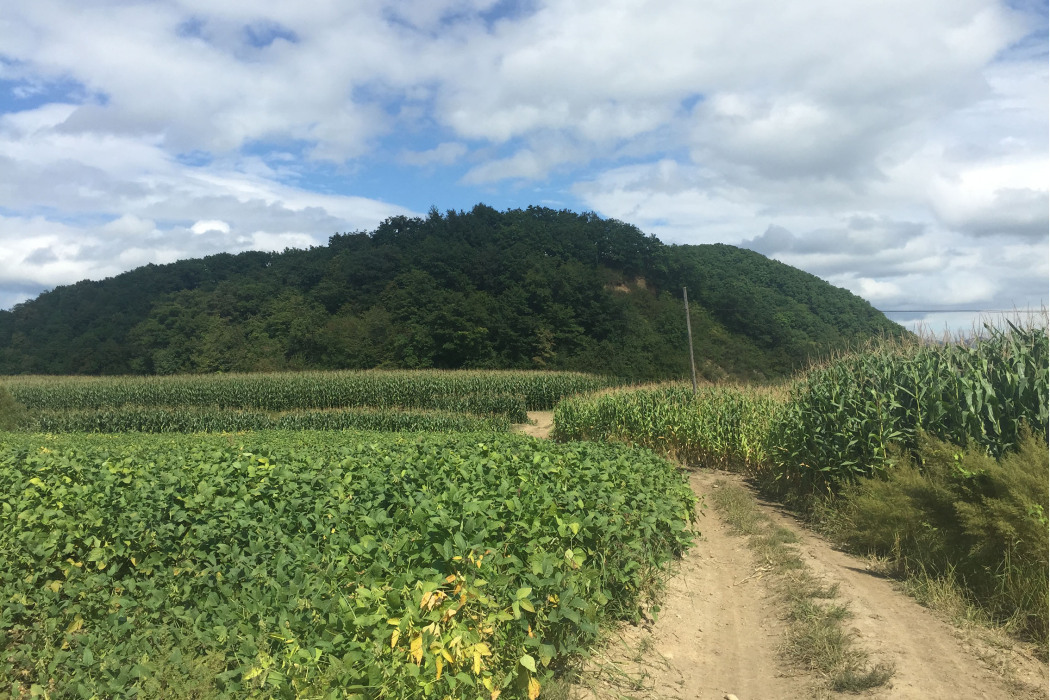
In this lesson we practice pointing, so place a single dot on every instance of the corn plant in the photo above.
(846, 419)
(480, 392)
(195, 419)
(720, 426)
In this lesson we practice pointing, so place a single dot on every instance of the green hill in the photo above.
(533, 288)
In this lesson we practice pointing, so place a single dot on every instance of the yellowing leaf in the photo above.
(534, 689)
(495, 694)
(75, 625)
(440, 663)
(55, 586)
(417, 649)
(394, 637)
(477, 663)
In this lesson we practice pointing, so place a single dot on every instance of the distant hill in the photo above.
(533, 288)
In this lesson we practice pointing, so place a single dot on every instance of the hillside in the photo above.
(534, 288)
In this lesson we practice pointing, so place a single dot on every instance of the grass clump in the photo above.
(956, 518)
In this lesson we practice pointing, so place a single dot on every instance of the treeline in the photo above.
(533, 288)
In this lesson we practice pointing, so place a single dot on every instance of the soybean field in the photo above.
(332, 564)
(363, 535)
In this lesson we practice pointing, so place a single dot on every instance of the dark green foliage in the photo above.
(320, 564)
(521, 289)
(959, 513)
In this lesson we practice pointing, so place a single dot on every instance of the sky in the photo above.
(896, 148)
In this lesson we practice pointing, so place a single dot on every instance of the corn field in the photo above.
(508, 394)
(203, 419)
(721, 426)
(847, 418)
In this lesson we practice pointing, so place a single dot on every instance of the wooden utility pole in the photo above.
(689, 331)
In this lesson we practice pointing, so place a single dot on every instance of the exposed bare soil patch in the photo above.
(539, 426)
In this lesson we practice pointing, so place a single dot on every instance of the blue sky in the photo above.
(898, 149)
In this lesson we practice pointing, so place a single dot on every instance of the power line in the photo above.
(958, 311)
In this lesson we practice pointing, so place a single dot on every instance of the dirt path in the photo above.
(719, 631)
(933, 659)
(540, 426)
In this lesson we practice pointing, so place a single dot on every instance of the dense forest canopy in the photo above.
(533, 288)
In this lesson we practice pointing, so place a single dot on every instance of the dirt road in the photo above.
(719, 630)
(717, 633)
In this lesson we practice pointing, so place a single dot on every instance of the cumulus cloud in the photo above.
(898, 149)
(203, 226)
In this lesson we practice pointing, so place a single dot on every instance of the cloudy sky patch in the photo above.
(898, 149)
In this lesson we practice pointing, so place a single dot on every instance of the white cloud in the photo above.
(205, 225)
(1008, 197)
(897, 148)
(525, 164)
(125, 202)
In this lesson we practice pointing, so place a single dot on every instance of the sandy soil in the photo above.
(718, 631)
(540, 425)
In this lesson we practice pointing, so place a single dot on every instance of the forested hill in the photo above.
(533, 288)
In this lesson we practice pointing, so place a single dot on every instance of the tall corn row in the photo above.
(844, 419)
(491, 392)
(718, 427)
(162, 419)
